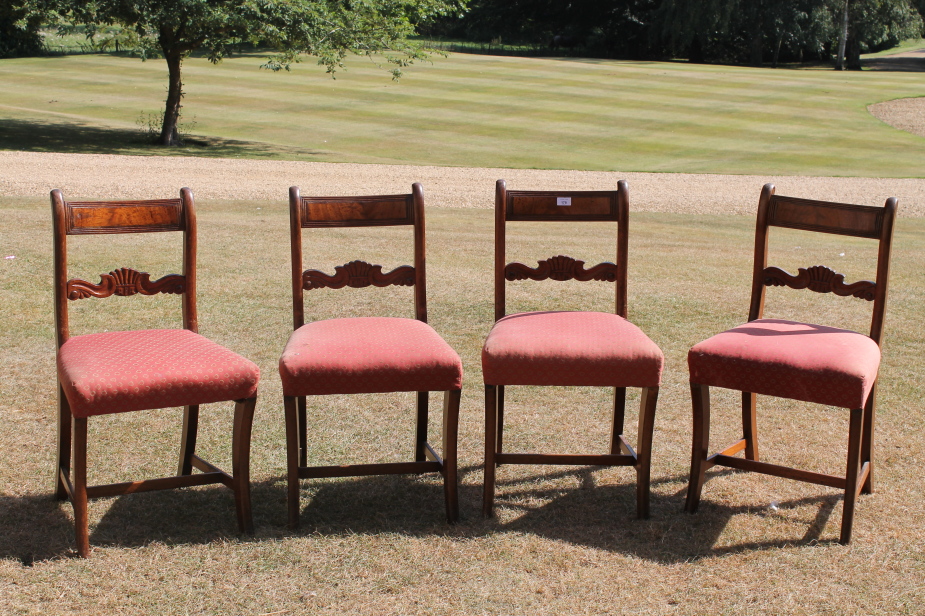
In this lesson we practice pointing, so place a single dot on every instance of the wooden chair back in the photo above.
(106, 217)
(561, 206)
(823, 217)
(365, 211)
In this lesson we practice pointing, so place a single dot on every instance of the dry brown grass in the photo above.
(565, 540)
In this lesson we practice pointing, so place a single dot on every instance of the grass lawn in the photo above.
(565, 540)
(479, 111)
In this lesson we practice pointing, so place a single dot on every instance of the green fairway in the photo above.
(479, 111)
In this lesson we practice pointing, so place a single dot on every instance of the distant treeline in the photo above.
(725, 31)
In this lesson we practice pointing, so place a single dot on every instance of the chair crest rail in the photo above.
(561, 267)
(125, 282)
(358, 274)
(820, 279)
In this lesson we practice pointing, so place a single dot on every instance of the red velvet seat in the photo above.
(117, 372)
(568, 348)
(799, 361)
(124, 371)
(367, 355)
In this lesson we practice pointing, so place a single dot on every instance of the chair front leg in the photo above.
(700, 449)
(188, 439)
(491, 427)
(855, 437)
(302, 431)
(619, 417)
(241, 462)
(750, 425)
(451, 401)
(867, 444)
(647, 403)
(63, 467)
(420, 437)
(79, 496)
(499, 424)
(293, 433)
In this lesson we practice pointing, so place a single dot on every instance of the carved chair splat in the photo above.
(568, 348)
(800, 361)
(374, 354)
(122, 371)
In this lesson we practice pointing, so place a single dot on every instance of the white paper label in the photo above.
(563, 201)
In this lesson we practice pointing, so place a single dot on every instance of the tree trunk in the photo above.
(853, 53)
(169, 133)
(842, 40)
(696, 53)
(756, 51)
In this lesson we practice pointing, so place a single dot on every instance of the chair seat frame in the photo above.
(586, 206)
(825, 217)
(362, 211)
(104, 217)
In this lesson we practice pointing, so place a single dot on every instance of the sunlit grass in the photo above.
(565, 540)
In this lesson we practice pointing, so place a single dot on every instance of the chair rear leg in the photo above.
(750, 425)
(420, 440)
(619, 417)
(700, 449)
(301, 431)
(647, 403)
(491, 427)
(79, 498)
(450, 436)
(188, 439)
(293, 449)
(241, 462)
(63, 468)
(855, 436)
(867, 444)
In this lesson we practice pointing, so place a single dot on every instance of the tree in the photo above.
(326, 29)
(871, 25)
(19, 32)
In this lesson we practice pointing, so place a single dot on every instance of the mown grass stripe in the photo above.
(492, 111)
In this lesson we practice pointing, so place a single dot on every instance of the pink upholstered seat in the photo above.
(368, 355)
(116, 372)
(787, 359)
(570, 348)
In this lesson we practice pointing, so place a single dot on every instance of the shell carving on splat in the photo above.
(358, 274)
(820, 279)
(561, 267)
(125, 282)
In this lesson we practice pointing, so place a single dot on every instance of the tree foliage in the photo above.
(19, 31)
(329, 30)
(736, 31)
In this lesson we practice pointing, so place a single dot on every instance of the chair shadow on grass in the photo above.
(38, 528)
(34, 529)
(74, 137)
(600, 517)
(604, 518)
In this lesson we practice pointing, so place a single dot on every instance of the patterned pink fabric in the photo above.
(570, 348)
(116, 372)
(367, 355)
(813, 363)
